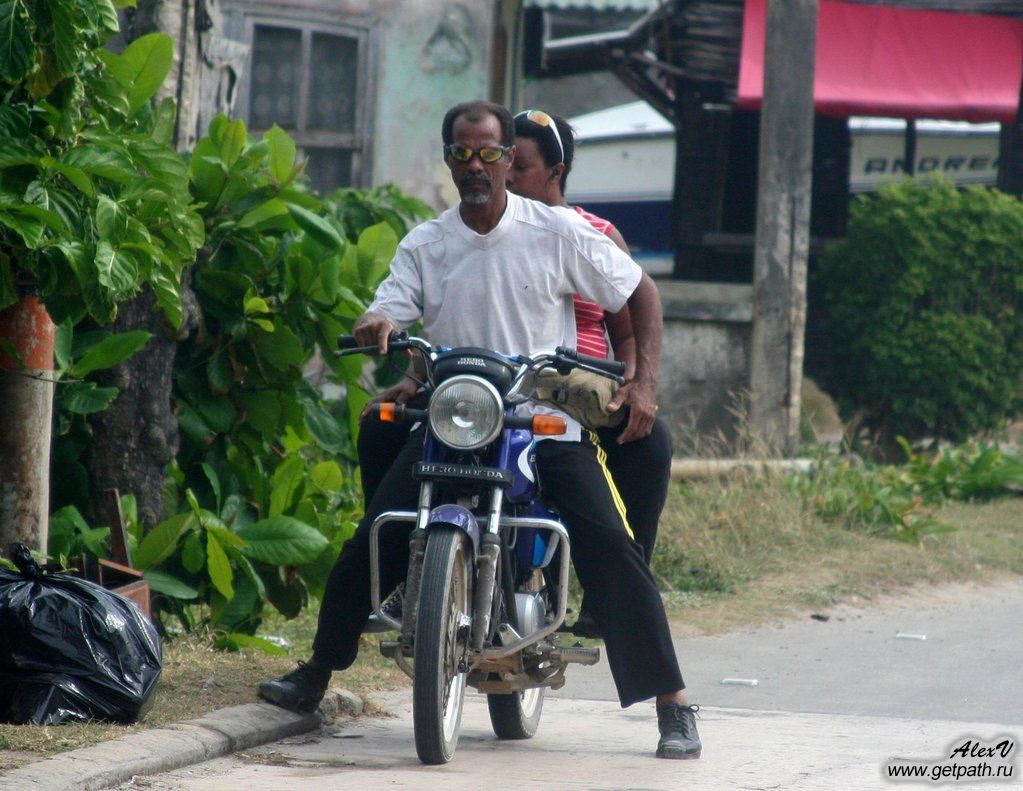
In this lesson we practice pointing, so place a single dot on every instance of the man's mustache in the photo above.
(470, 179)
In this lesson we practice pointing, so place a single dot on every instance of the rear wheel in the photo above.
(442, 631)
(516, 716)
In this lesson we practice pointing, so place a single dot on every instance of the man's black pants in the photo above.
(621, 593)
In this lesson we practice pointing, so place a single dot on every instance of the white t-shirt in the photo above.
(509, 290)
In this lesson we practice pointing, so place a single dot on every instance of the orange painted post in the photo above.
(26, 413)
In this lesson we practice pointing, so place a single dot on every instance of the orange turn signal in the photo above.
(549, 425)
(391, 412)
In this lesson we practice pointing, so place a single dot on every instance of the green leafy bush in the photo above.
(924, 298)
(264, 485)
(898, 500)
(94, 203)
(96, 206)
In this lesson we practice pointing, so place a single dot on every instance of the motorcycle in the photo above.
(488, 575)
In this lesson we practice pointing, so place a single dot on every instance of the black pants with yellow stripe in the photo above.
(621, 594)
(620, 591)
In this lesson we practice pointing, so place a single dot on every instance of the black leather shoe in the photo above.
(677, 725)
(300, 690)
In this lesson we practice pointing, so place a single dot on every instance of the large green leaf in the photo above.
(29, 228)
(62, 207)
(263, 412)
(62, 344)
(317, 227)
(376, 249)
(160, 543)
(282, 155)
(166, 286)
(207, 173)
(163, 163)
(17, 55)
(241, 608)
(282, 540)
(111, 219)
(116, 269)
(164, 118)
(326, 431)
(106, 15)
(285, 484)
(109, 352)
(219, 567)
(264, 212)
(14, 122)
(86, 398)
(169, 585)
(99, 161)
(232, 142)
(235, 641)
(193, 554)
(327, 477)
(357, 399)
(281, 348)
(67, 49)
(142, 68)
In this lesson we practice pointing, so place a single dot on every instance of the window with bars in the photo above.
(307, 81)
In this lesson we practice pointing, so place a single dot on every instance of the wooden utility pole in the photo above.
(26, 403)
(784, 185)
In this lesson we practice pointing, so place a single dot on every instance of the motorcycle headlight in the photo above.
(466, 412)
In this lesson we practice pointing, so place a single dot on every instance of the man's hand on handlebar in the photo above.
(400, 393)
(372, 329)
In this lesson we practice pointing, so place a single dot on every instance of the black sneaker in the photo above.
(677, 725)
(300, 690)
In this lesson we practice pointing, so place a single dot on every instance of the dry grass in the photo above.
(746, 551)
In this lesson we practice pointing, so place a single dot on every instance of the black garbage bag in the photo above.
(70, 650)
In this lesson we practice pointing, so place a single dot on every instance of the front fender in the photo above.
(450, 515)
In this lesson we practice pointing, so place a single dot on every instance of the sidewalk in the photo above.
(582, 743)
(162, 749)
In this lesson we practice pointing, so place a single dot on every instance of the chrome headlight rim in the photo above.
(492, 392)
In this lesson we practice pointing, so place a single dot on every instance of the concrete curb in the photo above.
(184, 744)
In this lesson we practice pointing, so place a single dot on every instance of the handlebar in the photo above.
(613, 367)
(347, 344)
(563, 360)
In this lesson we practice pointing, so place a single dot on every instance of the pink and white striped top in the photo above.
(591, 337)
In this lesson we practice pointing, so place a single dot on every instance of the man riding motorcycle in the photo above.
(499, 272)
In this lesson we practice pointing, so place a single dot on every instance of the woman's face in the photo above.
(529, 176)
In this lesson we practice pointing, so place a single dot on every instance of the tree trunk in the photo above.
(137, 435)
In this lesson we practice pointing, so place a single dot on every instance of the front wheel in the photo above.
(517, 715)
(442, 633)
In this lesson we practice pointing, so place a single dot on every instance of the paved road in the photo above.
(834, 702)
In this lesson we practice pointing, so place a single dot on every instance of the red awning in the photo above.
(902, 63)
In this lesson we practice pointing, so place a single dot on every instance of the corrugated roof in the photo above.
(595, 5)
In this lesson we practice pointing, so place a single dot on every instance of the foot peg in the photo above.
(576, 654)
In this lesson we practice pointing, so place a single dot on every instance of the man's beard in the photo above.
(476, 197)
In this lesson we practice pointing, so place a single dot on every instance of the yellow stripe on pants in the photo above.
(615, 496)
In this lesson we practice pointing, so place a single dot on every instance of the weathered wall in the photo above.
(422, 57)
(432, 55)
(704, 361)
